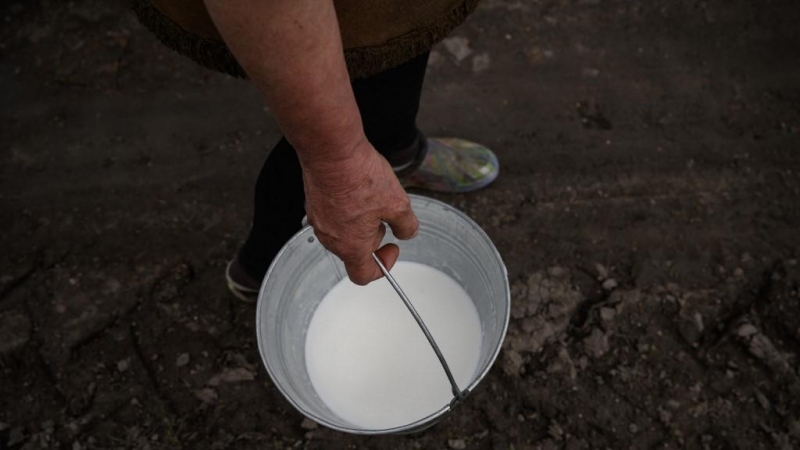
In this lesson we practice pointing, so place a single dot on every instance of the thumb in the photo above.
(363, 271)
(388, 255)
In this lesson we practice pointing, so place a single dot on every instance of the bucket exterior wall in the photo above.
(303, 272)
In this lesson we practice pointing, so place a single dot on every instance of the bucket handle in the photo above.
(458, 394)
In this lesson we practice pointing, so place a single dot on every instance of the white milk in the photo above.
(368, 359)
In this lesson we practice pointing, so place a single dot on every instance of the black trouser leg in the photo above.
(388, 103)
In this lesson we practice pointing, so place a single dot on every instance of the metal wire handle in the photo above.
(457, 393)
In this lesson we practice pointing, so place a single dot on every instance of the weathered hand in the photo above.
(347, 202)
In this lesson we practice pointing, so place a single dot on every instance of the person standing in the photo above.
(343, 79)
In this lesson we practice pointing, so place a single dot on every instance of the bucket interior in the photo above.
(304, 272)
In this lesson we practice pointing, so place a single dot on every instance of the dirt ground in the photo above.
(648, 211)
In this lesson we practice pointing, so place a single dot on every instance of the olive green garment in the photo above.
(376, 34)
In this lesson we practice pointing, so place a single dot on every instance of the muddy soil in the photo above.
(648, 211)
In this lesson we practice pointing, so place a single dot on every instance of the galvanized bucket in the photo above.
(303, 272)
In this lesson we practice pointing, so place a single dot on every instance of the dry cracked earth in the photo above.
(648, 211)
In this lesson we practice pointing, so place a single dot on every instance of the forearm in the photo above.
(292, 51)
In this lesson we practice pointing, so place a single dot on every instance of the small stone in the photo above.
(690, 329)
(4, 426)
(124, 365)
(458, 47)
(609, 284)
(183, 359)
(555, 431)
(607, 314)
(481, 62)
(602, 272)
(698, 321)
(738, 272)
(762, 400)
(746, 330)
(762, 348)
(590, 72)
(633, 428)
(596, 344)
(206, 395)
(232, 376)
(456, 444)
(77, 446)
(308, 424)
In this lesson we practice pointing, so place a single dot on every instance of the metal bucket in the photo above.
(303, 272)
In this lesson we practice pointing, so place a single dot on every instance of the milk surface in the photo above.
(368, 359)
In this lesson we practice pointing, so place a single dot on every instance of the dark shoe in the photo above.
(241, 285)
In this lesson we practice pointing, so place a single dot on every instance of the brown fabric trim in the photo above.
(210, 53)
(361, 61)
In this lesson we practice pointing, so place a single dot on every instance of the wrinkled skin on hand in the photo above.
(347, 203)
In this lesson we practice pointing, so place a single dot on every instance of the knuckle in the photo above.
(401, 206)
(404, 206)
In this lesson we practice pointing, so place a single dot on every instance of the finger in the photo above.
(404, 222)
(357, 257)
(388, 255)
(363, 271)
(361, 268)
